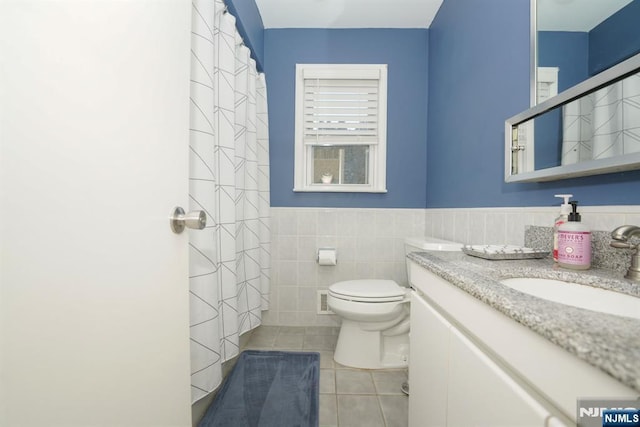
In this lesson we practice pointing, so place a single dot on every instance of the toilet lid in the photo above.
(368, 290)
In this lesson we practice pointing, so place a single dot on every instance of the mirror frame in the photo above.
(593, 167)
(533, 52)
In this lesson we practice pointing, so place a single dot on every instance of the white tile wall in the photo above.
(370, 244)
(506, 225)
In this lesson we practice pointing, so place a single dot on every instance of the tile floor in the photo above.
(348, 397)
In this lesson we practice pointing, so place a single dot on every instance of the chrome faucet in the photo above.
(621, 235)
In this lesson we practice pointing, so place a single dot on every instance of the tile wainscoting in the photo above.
(370, 244)
(506, 225)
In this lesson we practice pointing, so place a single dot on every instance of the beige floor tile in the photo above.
(261, 341)
(359, 411)
(389, 382)
(258, 347)
(326, 359)
(320, 342)
(341, 366)
(265, 331)
(292, 330)
(327, 381)
(354, 382)
(289, 342)
(322, 330)
(395, 410)
(328, 410)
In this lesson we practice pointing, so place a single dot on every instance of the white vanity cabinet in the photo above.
(428, 365)
(471, 365)
(454, 383)
(482, 394)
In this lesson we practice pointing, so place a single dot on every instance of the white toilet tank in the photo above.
(421, 244)
(418, 244)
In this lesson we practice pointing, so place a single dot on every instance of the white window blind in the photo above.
(341, 111)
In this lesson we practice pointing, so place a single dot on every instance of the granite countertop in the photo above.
(609, 342)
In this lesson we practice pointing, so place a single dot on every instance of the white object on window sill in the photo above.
(326, 178)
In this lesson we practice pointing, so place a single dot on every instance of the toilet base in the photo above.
(357, 348)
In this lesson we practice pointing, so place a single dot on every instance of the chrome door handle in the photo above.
(194, 219)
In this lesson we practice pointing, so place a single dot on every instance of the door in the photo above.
(93, 158)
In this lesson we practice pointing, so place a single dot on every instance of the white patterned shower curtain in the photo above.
(605, 123)
(229, 180)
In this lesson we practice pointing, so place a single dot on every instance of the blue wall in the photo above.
(567, 50)
(478, 77)
(581, 55)
(250, 27)
(405, 52)
(615, 39)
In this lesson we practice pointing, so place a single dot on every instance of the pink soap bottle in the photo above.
(565, 210)
(574, 242)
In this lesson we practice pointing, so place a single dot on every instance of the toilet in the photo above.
(375, 316)
(375, 323)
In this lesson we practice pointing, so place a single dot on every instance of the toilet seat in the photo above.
(368, 291)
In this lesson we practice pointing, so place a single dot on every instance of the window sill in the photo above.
(337, 188)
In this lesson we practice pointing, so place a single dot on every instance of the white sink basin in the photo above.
(577, 295)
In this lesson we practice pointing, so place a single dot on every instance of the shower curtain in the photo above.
(229, 180)
(603, 124)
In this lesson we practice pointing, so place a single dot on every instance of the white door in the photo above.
(93, 157)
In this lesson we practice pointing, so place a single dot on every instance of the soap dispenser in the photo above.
(565, 209)
(574, 242)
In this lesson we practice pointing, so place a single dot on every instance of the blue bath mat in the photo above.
(268, 389)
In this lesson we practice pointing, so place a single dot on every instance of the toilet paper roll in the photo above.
(327, 256)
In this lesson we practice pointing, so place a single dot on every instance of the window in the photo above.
(341, 128)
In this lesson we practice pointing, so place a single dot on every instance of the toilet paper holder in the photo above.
(327, 256)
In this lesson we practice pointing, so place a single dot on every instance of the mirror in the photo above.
(591, 128)
(577, 39)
